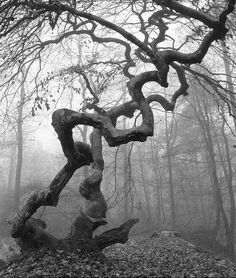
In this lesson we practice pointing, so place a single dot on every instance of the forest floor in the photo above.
(139, 257)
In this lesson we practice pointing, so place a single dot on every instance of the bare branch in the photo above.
(188, 12)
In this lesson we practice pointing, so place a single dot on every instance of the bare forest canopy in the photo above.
(146, 53)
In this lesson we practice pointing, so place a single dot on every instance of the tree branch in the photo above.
(210, 21)
(46, 197)
(117, 235)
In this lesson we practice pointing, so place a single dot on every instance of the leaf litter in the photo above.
(139, 257)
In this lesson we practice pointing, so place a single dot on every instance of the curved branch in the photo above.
(113, 136)
(64, 120)
(90, 186)
(157, 19)
(46, 197)
(161, 59)
(127, 109)
(79, 71)
(218, 32)
(194, 57)
(207, 19)
(58, 7)
(117, 235)
(95, 38)
(183, 83)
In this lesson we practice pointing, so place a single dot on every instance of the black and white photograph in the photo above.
(118, 138)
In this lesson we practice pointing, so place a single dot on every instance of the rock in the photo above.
(2, 263)
(189, 244)
(166, 234)
(7, 252)
(221, 263)
(214, 275)
(170, 234)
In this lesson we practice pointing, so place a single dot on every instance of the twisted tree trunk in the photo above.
(31, 233)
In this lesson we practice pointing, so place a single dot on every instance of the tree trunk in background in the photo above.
(226, 164)
(11, 168)
(19, 144)
(230, 170)
(201, 200)
(219, 202)
(203, 118)
(229, 179)
(215, 186)
(186, 198)
(229, 82)
(205, 124)
(144, 187)
(125, 176)
(170, 175)
(158, 186)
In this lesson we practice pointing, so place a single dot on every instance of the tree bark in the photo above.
(19, 144)
(11, 168)
(200, 191)
(116, 235)
(158, 187)
(32, 235)
(126, 180)
(229, 82)
(205, 124)
(170, 175)
(225, 161)
(144, 186)
(36, 237)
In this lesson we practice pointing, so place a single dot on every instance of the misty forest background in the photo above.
(183, 178)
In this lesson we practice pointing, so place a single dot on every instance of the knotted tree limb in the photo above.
(128, 108)
(31, 233)
(79, 154)
(113, 136)
(64, 120)
(50, 196)
(217, 31)
(90, 186)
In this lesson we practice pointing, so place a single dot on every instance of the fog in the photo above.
(167, 124)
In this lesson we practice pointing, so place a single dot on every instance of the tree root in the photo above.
(35, 236)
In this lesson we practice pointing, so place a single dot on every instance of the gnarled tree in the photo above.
(28, 20)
